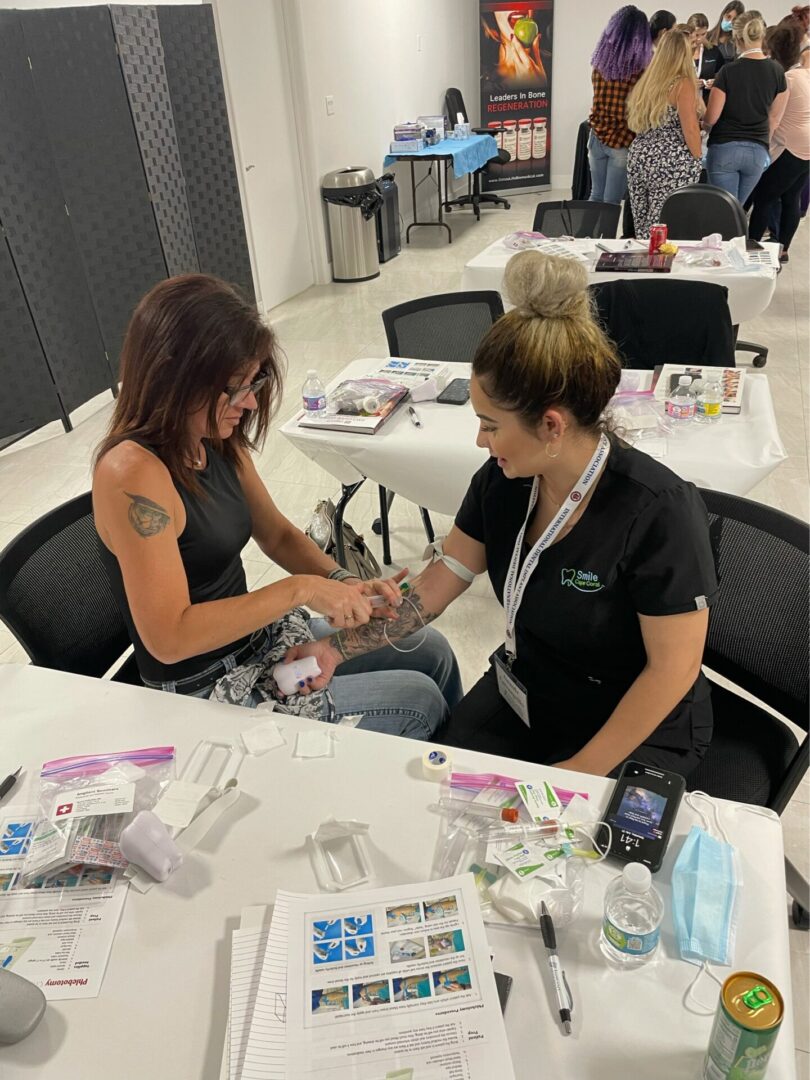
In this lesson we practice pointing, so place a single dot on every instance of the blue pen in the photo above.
(7, 961)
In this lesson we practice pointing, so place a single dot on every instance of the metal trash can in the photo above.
(352, 198)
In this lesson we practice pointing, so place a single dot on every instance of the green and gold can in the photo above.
(748, 1019)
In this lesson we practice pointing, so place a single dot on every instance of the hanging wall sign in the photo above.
(516, 47)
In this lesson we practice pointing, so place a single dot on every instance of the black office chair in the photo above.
(581, 176)
(453, 106)
(446, 328)
(758, 640)
(697, 210)
(666, 321)
(577, 218)
(55, 596)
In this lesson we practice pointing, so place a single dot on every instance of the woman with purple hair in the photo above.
(622, 53)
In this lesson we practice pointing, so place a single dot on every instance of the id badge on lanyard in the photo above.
(509, 686)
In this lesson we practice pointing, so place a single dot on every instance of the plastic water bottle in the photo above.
(314, 393)
(710, 401)
(681, 403)
(632, 921)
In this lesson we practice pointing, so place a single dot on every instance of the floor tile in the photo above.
(800, 978)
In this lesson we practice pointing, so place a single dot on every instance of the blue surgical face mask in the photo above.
(725, 25)
(704, 890)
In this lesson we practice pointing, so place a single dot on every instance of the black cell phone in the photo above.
(641, 814)
(753, 245)
(455, 393)
(504, 986)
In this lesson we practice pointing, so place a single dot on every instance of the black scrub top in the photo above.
(641, 547)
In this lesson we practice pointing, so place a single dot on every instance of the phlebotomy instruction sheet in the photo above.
(396, 983)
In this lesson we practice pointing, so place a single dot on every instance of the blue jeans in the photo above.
(737, 166)
(407, 694)
(608, 171)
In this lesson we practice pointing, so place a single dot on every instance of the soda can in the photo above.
(747, 1022)
(658, 236)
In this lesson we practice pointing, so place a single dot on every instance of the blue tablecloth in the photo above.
(467, 154)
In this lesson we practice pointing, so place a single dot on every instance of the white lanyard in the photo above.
(747, 52)
(699, 62)
(515, 585)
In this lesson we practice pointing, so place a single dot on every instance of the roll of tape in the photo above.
(436, 765)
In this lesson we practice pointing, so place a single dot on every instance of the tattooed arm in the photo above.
(431, 592)
(139, 516)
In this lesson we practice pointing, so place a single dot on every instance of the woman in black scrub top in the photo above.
(610, 632)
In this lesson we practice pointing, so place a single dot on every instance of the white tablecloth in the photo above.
(432, 465)
(164, 1002)
(749, 292)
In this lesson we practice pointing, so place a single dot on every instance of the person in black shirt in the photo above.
(177, 496)
(708, 58)
(721, 34)
(610, 629)
(745, 104)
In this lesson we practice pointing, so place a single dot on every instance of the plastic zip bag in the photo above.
(85, 802)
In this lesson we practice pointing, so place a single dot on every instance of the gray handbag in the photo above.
(358, 560)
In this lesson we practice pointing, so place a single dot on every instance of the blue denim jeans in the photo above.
(737, 166)
(608, 171)
(400, 693)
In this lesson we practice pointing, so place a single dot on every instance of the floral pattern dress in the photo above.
(658, 163)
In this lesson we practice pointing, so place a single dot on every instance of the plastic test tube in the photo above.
(524, 832)
(463, 806)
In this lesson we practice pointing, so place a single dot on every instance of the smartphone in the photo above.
(503, 984)
(455, 393)
(641, 814)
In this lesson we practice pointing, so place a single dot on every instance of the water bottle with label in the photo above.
(314, 394)
(632, 921)
(710, 401)
(681, 403)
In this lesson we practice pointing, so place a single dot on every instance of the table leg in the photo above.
(413, 205)
(440, 224)
(385, 504)
(347, 494)
(428, 524)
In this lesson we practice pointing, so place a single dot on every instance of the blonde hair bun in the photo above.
(546, 286)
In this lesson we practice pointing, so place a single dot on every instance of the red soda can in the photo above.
(658, 236)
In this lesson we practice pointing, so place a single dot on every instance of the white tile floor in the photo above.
(326, 327)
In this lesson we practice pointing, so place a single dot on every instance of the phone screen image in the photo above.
(640, 813)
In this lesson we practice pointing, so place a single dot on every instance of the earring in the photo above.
(552, 456)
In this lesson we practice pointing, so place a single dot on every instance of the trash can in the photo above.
(352, 198)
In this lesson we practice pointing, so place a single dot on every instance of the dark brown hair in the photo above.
(713, 37)
(188, 339)
(784, 42)
(801, 14)
(549, 350)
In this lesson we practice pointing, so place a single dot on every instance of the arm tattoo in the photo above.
(412, 615)
(147, 518)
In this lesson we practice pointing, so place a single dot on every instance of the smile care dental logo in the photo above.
(582, 580)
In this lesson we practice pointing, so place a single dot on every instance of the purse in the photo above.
(321, 529)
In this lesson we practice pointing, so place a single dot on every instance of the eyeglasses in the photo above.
(237, 394)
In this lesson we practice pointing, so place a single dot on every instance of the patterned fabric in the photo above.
(608, 117)
(251, 683)
(658, 163)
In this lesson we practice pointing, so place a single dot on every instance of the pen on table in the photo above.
(414, 415)
(9, 783)
(565, 1002)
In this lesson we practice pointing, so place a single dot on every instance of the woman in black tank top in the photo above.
(177, 497)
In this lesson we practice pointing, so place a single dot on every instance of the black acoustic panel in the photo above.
(84, 103)
(140, 51)
(28, 397)
(39, 234)
(204, 136)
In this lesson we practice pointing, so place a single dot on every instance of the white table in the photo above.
(163, 1005)
(431, 466)
(749, 292)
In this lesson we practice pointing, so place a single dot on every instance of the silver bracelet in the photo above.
(340, 574)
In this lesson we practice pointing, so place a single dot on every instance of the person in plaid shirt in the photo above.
(622, 53)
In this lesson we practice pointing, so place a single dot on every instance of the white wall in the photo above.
(577, 27)
(382, 61)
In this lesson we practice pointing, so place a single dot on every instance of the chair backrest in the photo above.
(666, 321)
(55, 595)
(447, 327)
(576, 217)
(758, 628)
(453, 105)
(695, 211)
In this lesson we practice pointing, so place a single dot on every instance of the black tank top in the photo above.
(217, 528)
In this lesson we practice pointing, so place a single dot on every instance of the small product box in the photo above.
(407, 146)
